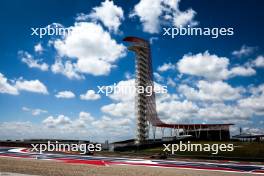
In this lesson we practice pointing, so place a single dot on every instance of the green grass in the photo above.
(242, 151)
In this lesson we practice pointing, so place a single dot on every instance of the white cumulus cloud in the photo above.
(82, 46)
(149, 13)
(38, 48)
(90, 95)
(211, 91)
(242, 71)
(6, 87)
(184, 18)
(53, 122)
(166, 67)
(153, 14)
(244, 51)
(31, 86)
(211, 67)
(119, 109)
(65, 94)
(34, 112)
(158, 77)
(21, 85)
(219, 112)
(259, 61)
(205, 65)
(109, 14)
(33, 63)
(67, 69)
(255, 101)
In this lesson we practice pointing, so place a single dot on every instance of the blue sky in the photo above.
(209, 80)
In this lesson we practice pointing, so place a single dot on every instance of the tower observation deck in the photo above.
(145, 106)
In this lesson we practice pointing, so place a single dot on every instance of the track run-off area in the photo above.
(222, 166)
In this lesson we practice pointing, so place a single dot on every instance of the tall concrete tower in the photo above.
(145, 104)
(143, 79)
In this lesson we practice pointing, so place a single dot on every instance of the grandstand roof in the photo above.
(192, 126)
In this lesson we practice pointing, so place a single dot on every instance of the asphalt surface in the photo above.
(13, 174)
(223, 166)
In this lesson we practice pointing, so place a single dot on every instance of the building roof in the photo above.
(192, 126)
(248, 135)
